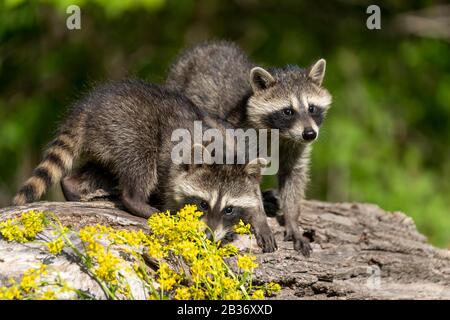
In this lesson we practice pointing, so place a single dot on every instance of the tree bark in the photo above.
(359, 252)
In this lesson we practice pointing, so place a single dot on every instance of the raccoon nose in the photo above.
(309, 134)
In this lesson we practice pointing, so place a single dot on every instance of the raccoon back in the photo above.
(123, 125)
(214, 75)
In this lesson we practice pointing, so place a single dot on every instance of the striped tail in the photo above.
(58, 160)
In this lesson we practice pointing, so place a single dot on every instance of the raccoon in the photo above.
(123, 132)
(290, 99)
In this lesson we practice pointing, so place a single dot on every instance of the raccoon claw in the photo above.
(301, 244)
(266, 242)
(271, 202)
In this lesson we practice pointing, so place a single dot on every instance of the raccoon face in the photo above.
(290, 99)
(224, 193)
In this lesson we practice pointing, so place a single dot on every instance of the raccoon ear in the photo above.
(254, 167)
(260, 79)
(317, 71)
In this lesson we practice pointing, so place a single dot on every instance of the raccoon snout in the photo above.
(216, 234)
(309, 134)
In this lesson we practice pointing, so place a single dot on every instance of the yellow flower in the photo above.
(130, 238)
(233, 295)
(247, 263)
(11, 231)
(55, 246)
(29, 280)
(228, 283)
(197, 293)
(187, 249)
(242, 228)
(189, 211)
(155, 249)
(272, 288)
(258, 294)
(182, 294)
(10, 293)
(107, 266)
(48, 295)
(161, 224)
(24, 228)
(167, 277)
(33, 223)
(109, 254)
(86, 234)
(228, 250)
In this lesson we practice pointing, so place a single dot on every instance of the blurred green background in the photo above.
(386, 139)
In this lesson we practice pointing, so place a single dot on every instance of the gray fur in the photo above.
(220, 73)
(123, 130)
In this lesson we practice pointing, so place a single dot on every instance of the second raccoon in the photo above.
(125, 128)
(220, 77)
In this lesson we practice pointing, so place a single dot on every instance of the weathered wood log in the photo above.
(359, 252)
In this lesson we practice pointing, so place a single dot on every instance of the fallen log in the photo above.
(359, 252)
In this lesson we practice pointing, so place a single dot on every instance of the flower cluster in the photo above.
(242, 228)
(32, 286)
(208, 276)
(247, 263)
(185, 263)
(24, 228)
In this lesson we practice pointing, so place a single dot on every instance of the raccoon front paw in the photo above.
(266, 242)
(301, 244)
(271, 202)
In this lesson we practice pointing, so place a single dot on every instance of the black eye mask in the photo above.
(318, 115)
(282, 120)
(200, 203)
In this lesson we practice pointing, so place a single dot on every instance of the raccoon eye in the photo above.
(203, 205)
(311, 108)
(228, 210)
(288, 112)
